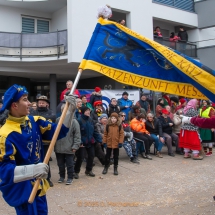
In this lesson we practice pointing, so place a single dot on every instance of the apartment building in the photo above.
(42, 42)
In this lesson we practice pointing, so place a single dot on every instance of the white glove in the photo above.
(186, 119)
(28, 172)
(131, 136)
(71, 110)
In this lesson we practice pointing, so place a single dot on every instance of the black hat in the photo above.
(83, 109)
(174, 99)
(125, 93)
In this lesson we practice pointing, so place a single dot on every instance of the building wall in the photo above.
(10, 18)
(206, 56)
(59, 20)
(205, 11)
(82, 20)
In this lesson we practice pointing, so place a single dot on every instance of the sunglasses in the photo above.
(123, 115)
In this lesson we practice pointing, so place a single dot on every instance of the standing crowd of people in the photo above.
(91, 131)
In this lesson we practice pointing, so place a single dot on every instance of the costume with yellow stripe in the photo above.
(21, 144)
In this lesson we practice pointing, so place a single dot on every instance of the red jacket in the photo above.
(76, 92)
(203, 122)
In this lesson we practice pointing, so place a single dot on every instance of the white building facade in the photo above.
(42, 43)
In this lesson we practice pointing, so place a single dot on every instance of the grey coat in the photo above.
(71, 141)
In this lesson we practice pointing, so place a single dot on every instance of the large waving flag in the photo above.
(127, 57)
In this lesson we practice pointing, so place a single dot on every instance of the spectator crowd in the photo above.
(98, 132)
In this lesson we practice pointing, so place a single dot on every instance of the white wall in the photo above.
(59, 20)
(174, 15)
(82, 20)
(10, 18)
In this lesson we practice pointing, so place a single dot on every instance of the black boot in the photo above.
(115, 171)
(89, 173)
(105, 170)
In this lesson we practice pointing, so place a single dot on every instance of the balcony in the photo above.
(188, 49)
(25, 45)
(187, 5)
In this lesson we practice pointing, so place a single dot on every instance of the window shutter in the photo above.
(42, 26)
(181, 4)
(27, 25)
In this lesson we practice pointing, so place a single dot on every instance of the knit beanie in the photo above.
(83, 109)
(104, 115)
(125, 93)
(97, 89)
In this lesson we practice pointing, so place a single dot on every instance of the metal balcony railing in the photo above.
(29, 45)
(186, 48)
(187, 5)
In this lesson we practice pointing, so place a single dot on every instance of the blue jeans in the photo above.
(158, 143)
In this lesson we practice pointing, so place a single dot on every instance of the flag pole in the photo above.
(54, 138)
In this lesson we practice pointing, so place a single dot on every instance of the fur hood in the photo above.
(118, 123)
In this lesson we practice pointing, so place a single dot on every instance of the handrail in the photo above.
(31, 47)
(34, 41)
(184, 47)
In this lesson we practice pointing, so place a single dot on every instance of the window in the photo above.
(28, 25)
(42, 26)
(34, 25)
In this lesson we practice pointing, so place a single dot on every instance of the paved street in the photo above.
(162, 186)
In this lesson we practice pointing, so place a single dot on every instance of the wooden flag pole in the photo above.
(54, 138)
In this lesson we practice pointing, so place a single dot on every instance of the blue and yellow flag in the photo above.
(127, 57)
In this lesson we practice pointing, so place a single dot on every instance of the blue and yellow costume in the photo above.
(21, 144)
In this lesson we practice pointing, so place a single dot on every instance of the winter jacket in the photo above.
(72, 140)
(158, 110)
(128, 134)
(100, 128)
(3, 117)
(177, 124)
(154, 127)
(165, 124)
(138, 126)
(113, 137)
(122, 103)
(89, 133)
(44, 112)
(95, 115)
(76, 92)
(95, 97)
(203, 122)
(112, 109)
(132, 115)
(183, 35)
(144, 104)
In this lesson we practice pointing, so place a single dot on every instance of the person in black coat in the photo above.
(96, 96)
(113, 107)
(89, 137)
(44, 111)
(153, 126)
(167, 125)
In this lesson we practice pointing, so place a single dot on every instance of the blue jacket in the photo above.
(122, 103)
(89, 133)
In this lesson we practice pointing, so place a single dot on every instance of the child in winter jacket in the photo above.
(113, 139)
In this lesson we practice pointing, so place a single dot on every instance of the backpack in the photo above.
(107, 128)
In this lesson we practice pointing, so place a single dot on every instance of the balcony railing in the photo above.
(187, 48)
(187, 5)
(30, 45)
